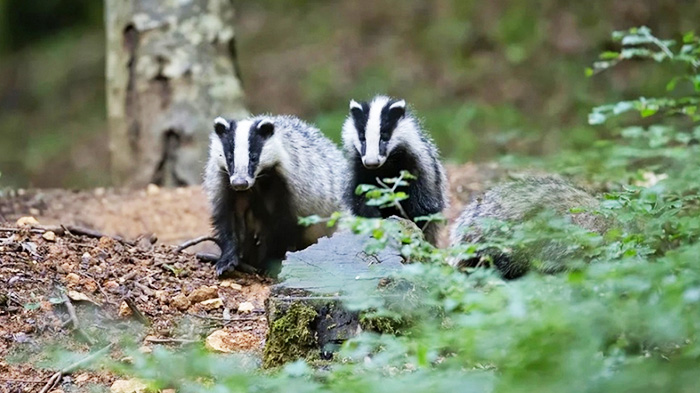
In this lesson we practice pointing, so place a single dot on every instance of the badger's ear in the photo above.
(355, 107)
(221, 125)
(397, 109)
(266, 128)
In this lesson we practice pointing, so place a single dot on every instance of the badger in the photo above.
(382, 138)
(263, 173)
(516, 202)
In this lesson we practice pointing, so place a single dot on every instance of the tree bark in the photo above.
(171, 69)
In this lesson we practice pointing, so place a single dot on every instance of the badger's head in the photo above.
(245, 148)
(374, 129)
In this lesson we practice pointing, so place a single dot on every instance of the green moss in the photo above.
(291, 337)
(383, 325)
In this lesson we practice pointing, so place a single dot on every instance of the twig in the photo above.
(137, 313)
(207, 257)
(67, 370)
(128, 276)
(193, 242)
(71, 311)
(72, 229)
(146, 290)
(170, 340)
(74, 319)
(251, 318)
(20, 380)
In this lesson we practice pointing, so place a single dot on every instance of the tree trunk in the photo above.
(171, 69)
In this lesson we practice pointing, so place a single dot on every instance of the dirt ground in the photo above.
(80, 291)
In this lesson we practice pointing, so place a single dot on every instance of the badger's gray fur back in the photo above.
(520, 200)
(262, 174)
(381, 138)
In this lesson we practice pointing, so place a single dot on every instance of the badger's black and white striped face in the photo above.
(243, 149)
(375, 129)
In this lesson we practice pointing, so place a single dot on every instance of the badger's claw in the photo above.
(226, 265)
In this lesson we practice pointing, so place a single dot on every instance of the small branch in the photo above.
(194, 242)
(71, 311)
(20, 380)
(67, 370)
(137, 313)
(74, 319)
(251, 318)
(71, 229)
(170, 340)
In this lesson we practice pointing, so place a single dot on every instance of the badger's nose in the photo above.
(371, 163)
(240, 183)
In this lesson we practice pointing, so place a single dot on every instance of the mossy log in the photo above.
(306, 312)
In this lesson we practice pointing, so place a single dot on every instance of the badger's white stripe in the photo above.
(373, 128)
(263, 122)
(241, 151)
(398, 104)
(355, 105)
(222, 121)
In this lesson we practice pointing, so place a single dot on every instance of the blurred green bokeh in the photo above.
(487, 78)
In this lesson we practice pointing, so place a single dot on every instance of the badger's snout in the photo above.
(373, 162)
(241, 183)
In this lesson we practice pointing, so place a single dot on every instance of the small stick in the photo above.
(146, 290)
(20, 380)
(128, 276)
(194, 242)
(74, 320)
(67, 370)
(137, 313)
(170, 340)
(71, 311)
(251, 318)
(73, 229)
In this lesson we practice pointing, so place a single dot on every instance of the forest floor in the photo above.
(63, 290)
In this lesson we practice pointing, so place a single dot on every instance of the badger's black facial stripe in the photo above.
(256, 140)
(389, 119)
(228, 143)
(360, 118)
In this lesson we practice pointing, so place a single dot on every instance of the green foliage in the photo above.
(640, 43)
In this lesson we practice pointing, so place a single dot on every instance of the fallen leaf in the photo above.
(27, 221)
(128, 386)
(246, 307)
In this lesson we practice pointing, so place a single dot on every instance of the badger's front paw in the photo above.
(226, 265)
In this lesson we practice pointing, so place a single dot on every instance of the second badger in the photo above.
(381, 139)
(262, 174)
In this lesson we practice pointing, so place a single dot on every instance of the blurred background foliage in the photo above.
(488, 78)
